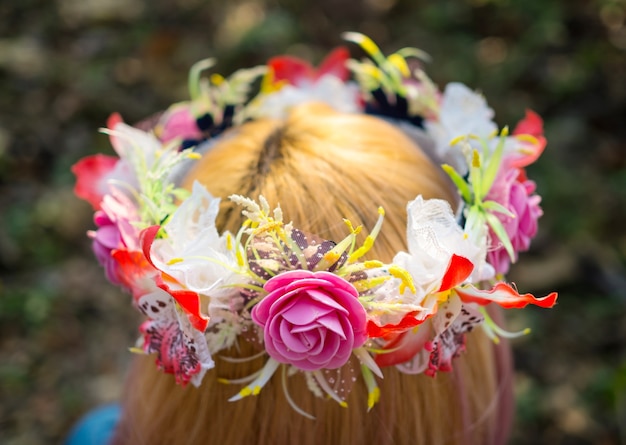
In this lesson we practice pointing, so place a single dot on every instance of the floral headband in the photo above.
(311, 304)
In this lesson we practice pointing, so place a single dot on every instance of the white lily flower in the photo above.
(462, 112)
(194, 253)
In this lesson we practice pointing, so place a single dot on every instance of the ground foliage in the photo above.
(66, 64)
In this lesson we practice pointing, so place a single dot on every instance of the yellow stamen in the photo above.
(404, 276)
(373, 397)
(457, 139)
(216, 79)
(239, 257)
(136, 350)
(229, 242)
(332, 257)
(194, 156)
(367, 245)
(245, 392)
(363, 41)
(370, 283)
(373, 264)
(354, 230)
(527, 138)
(369, 241)
(399, 62)
(174, 261)
(475, 159)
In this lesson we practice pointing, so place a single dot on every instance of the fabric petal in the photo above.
(505, 296)
(90, 174)
(459, 269)
(335, 64)
(403, 347)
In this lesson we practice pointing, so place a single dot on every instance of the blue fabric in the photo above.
(96, 428)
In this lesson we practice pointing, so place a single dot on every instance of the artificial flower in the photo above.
(462, 112)
(92, 178)
(299, 73)
(193, 252)
(291, 81)
(115, 232)
(180, 349)
(311, 320)
(313, 302)
(178, 122)
(514, 192)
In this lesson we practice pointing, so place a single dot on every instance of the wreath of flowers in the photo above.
(312, 304)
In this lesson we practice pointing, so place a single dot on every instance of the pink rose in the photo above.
(515, 192)
(311, 320)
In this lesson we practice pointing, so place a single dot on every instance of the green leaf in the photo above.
(414, 52)
(500, 232)
(497, 207)
(475, 219)
(475, 174)
(494, 164)
(460, 183)
(194, 76)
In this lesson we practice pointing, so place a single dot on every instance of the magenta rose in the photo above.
(515, 192)
(311, 320)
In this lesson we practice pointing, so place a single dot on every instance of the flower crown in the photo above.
(311, 304)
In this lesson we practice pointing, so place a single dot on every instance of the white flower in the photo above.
(435, 243)
(138, 147)
(194, 253)
(329, 89)
(433, 235)
(462, 112)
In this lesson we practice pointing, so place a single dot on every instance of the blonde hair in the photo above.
(322, 166)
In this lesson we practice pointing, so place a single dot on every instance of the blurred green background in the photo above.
(65, 65)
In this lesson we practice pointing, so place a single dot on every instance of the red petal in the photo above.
(458, 270)
(404, 347)
(134, 267)
(408, 321)
(531, 124)
(290, 69)
(146, 238)
(90, 173)
(190, 302)
(113, 120)
(505, 296)
(335, 64)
